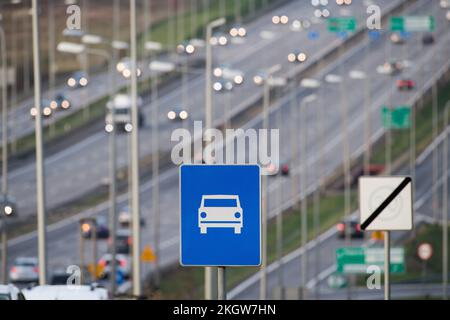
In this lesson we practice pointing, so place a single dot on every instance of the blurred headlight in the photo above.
(120, 67)
(217, 86)
(8, 210)
(171, 115)
(275, 19)
(126, 73)
(291, 57)
(47, 111)
(223, 40)
(65, 104)
(301, 57)
(33, 112)
(71, 82)
(218, 72)
(128, 127)
(284, 19)
(233, 32)
(258, 80)
(83, 82)
(109, 128)
(213, 41)
(53, 105)
(183, 115)
(238, 79)
(242, 32)
(190, 49)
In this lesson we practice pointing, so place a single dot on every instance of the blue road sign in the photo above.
(220, 211)
(342, 35)
(374, 35)
(313, 35)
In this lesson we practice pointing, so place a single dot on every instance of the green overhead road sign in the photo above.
(356, 260)
(341, 24)
(413, 23)
(398, 117)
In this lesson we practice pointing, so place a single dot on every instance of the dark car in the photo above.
(355, 229)
(123, 241)
(427, 39)
(101, 228)
(60, 102)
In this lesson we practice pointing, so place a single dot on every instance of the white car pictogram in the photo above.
(220, 211)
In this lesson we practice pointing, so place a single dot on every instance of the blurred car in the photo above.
(355, 229)
(177, 113)
(280, 19)
(186, 47)
(238, 31)
(79, 79)
(64, 292)
(219, 38)
(124, 68)
(405, 84)
(24, 269)
(444, 4)
(123, 241)
(59, 276)
(60, 102)
(390, 68)
(123, 264)
(121, 105)
(297, 56)
(10, 292)
(396, 38)
(225, 71)
(125, 218)
(45, 109)
(272, 169)
(427, 39)
(222, 85)
(102, 230)
(260, 77)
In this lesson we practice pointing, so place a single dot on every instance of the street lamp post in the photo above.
(4, 149)
(135, 156)
(210, 285)
(266, 103)
(75, 48)
(445, 207)
(40, 174)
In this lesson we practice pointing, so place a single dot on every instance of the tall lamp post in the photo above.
(40, 174)
(267, 84)
(210, 284)
(75, 48)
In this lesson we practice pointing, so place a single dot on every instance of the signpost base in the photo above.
(387, 263)
(221, 284)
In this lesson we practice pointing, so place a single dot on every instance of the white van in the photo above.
(220, 211)
(65, 292)
(122, 116)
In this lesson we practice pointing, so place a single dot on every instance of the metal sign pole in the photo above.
(387, 263)
(221, 284)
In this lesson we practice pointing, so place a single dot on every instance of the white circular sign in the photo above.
(425, 251)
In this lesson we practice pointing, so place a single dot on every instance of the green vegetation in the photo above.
(424, 129)
(431, 234)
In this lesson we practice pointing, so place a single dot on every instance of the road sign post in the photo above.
(220, 214)
(385, 205)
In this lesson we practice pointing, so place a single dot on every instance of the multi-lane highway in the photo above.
(84, 163)
(327, 244)
(63, 243)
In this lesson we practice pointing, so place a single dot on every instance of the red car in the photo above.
(405, 84)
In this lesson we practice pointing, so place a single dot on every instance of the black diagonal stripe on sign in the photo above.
(386, 202)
